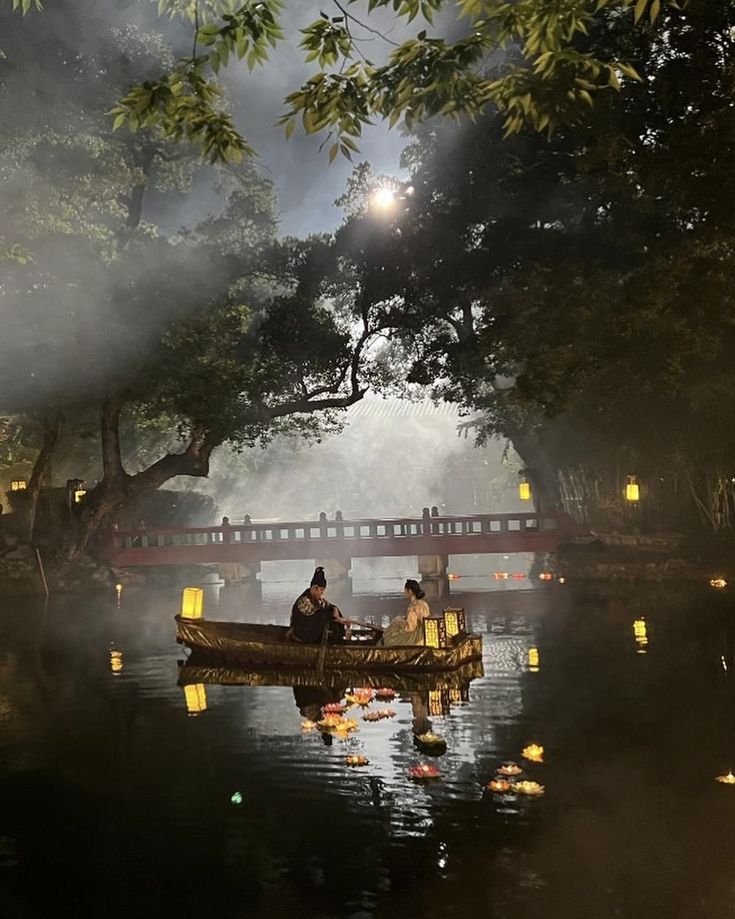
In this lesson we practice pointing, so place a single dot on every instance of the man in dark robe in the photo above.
(311, 613)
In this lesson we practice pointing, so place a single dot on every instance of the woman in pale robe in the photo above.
(409, 631)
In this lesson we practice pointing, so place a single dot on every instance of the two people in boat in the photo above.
(409, 631)
(312, 613)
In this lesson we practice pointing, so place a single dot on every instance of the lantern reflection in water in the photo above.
(118, 591)
(640, 634)
(196, 698)
(534, 660)
(116, 661)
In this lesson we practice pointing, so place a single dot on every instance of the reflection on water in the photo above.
(136, 782)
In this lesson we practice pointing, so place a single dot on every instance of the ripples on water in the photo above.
(114, 801)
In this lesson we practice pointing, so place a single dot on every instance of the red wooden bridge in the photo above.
(248, 544)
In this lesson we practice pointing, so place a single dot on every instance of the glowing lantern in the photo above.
(334, 708)
(454, 622)
(116, 662)
(79, 493)
(546, 576)
(534, 753)
(728, 779)
(640, 634)
(236, 798)
(518, 576)
(528, 788)
(435, 632)
(632, 490)
(534, 660)
(499, 786)
(453, 577)
(18, 485)
(308, 726)
(196, 698)
(718, 583)
(524, 490)
(509, 769)
(421, 773)
(501, 575)
(192, 602)
(433, 743)
(385, 693)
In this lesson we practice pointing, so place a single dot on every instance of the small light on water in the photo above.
(236, 798)
(728, 779)
(718, 583)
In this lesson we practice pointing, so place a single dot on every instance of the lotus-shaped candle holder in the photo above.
(385, 694)
(718, 583)
(334, 708)
(307, 726)
(424, 773)
(528, 788)
(372, 716)
(534, 753)
(360, 697)
(509, 769)
(386, 713)
(431, 743)
(728, 779)
(499, 786)
(357, 760)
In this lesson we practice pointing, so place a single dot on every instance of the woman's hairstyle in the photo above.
(415, 588)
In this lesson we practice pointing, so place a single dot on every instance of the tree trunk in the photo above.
(117, 488)
(542, 475)
(53, 425)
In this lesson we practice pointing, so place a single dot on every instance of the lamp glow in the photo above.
(632, 490)
(524, 490)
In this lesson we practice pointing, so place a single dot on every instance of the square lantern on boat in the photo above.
(192, 603)
(435, 632)
(454, 621)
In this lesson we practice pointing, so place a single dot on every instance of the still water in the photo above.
(116, 801)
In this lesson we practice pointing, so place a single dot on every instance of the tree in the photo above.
(531, 61)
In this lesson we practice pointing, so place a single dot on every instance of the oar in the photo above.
(322, 653)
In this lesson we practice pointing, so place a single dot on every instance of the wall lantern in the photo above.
(524, 490)
(632, 490)
(79, 493)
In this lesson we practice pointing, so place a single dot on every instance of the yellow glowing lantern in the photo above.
(524, 490)
(528, 788)
(728, 779)
(534, 660)
(632, 490)
(116, 661)
(718, 583)
(435, 632)
(79, 493)
(192, 603)
(534, 753)
(196, 698)
(18, 485)
(640, 633)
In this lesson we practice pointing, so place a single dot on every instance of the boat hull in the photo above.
(267, 646)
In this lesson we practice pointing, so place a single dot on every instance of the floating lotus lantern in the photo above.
(307, 726)
(509, 769)
(432, 743)
(728, 779)
(534, 753)
(333, 708)
(386, 713)
(357, 760)
(453, 577)
(344, 728)
(372, 716)
(329, 722)
(424, 773)
(385, 694)
(546, 576)
(499, 786)
(361, 697)
(718, 583)
(528, 788)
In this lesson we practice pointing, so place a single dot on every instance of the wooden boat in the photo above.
(268, 646)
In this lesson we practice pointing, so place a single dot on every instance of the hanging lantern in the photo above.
(116, 662)
(632, 490)
(18, 485)
(524, 490)
(196, 698)
(79, 493)
(192, 603)
(534, 660)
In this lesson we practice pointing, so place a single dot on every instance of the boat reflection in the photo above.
(430, 694)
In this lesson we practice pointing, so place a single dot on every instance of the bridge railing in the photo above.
(307, 530)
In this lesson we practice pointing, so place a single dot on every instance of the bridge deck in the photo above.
(253, 543)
